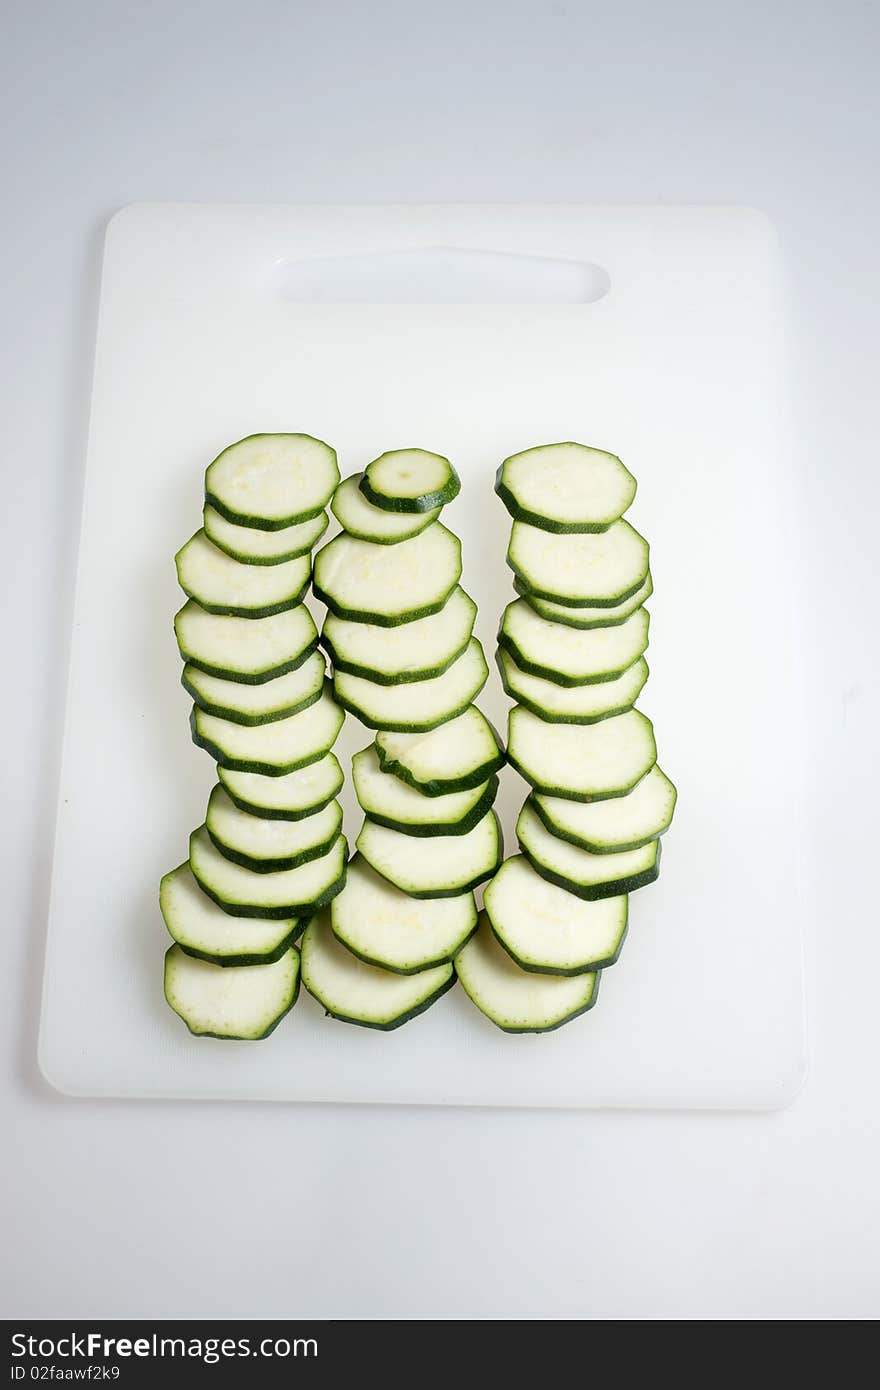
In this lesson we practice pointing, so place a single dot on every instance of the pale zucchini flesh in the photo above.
(442, 867)
(577, 704)
(419, 705)
(567, 656)
(220, 584)
(517, 1000)
(549, 930)
(250, 650)
(243, 1002)
(386, 927)
(597, 570)
(390, 802)
(413, 651)
(585, 617)
(388, 584)
(352, 991)
(608, 827)
(583, 762)
(454, 757)
(362, 519)
(205, 931)
(272, 749)
(272, 481)
(288, 893)
(257, 704)
(410, 481)
(267, 846)
(565, 488)
(254, 547)
(288, 797)
(578, 871)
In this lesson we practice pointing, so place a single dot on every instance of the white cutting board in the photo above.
(678, 368)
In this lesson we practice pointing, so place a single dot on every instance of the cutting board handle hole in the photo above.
(439, 275)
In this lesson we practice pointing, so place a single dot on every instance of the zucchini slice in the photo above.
(548, 930)
(271, 481)
(273, 749)
(389, 801)
(267, 846)
(254, 547)
(360, 518)
(251, 650)
(443, 867)
(565, 488)
(414, 651)
(420, 705)
(584, 571)
(516, 1000)
(455, 757)
(581, 762)
(205, 931)
(578, 704)
(567, 656)
(352, 991)
(277, 896)
(608, 827)
(383, 926)
(578, 871)
(257, 704)
(244, 1002)
(220, 584)
(388, 584)
(585, 617)
(289, 797)
(410, 480)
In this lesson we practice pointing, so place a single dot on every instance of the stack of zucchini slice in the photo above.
(571, 655)
(399, 634)
(271, 853)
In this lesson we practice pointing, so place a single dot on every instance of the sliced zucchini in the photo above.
(267, 846)
(388, 584)
(577, 704)
(271, 481)
(389, 801)
(251, 650)
(205, 931)
(455, 757)
(548, 930)
(273, 749)
(581, 762)
(585, 617)
(578, 871)
(288, 893)
(414, 651)
(567, 656)
(289, 797)
(257, 704)
(565, 488)
(244, 1002)
(254, 547)
(418, 706)
(410, 480)
(220, 584)
(360, 518)
(352, 991)
(583, 571)
(385, 927)
(442, 867)
(516, 1000)
(608, 827)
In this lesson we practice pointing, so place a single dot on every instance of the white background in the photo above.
(221, 1210)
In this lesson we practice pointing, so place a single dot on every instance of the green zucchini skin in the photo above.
(382, 619)
(593, 968)
(227, 1037)
(394, 1023)
(425, 502)
(560, 1023)
(439, 786)
(352, 668)
(573, 618)
(460, 827)
(271, 866)
(271, 812)
(242, 765)
(557, 528)
(225, 610)
(250, 721)
(422, 728)
(403, 970)
(592, 892)
(534, 668)
(543, 713)
(253, 677)
(245, 559)
(264, 523)
(581, 603)
(277, 914)
(456, 890)
(592, 847)
(249, 959)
